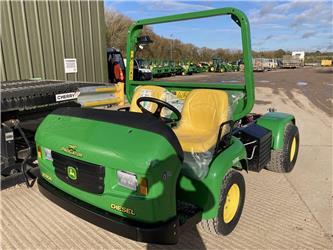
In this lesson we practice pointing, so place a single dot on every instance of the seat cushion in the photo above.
(147, 91)
(196, 141)
(203, 112)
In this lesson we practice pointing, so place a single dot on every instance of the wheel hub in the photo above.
(231, 203)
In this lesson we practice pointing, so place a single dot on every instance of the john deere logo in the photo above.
(71, 149)
(71, 173)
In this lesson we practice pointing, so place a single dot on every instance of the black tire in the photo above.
(217, 225)
(281, 161)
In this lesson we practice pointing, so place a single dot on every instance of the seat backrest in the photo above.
(150, 91)
(204, 110)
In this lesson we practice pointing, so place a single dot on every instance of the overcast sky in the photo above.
(290, 25)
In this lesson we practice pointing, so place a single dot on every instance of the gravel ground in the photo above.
(315, 83)
(282, 211)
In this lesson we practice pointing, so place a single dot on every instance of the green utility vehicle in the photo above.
(174, 158)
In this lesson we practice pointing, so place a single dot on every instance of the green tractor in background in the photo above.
(174, 158)
(199, 68)
(204, 66)
(155, 69)
(230, 67)
(188, 68)
(220, 65)
(217, 65)
(179, 69)
(166, 69)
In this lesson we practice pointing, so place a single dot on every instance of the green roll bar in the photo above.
(238, 16)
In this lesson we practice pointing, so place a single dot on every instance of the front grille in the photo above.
(88, 177)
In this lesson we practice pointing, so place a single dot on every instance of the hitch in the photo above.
(27, 173)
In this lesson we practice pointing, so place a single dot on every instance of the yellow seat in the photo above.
(203, 112)
(150, 91)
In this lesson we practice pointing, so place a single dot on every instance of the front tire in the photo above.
(283, 160)
(231, 205)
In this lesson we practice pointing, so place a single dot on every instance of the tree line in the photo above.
(163, 48)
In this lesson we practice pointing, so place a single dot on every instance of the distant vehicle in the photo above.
(240, 65)
(114, 56)
(264, 64)
(272, 64)
(292, 62)
(326, 63)
(279, 63)
(299, 55)
(142, 71)
(258, 64)
(221, 65)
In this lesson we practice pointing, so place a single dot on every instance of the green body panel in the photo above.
(247, 88)
(276, 123)
(206, 193)
(113, 147)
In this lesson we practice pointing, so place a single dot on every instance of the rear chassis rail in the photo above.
(161, 233)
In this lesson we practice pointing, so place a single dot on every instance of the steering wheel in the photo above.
(160, 105)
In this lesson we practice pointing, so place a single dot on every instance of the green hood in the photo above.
(130, 144)
(107, 141)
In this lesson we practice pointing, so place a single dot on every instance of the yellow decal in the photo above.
(71, 149)
(47, 177)
(182, 94)
(122, 209)
(131, 65)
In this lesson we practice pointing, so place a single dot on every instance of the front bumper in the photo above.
(161, 233)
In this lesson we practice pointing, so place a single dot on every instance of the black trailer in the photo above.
(24, 104)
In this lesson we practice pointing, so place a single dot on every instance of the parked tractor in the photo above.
(174, 158)
(204, 66)
(216, 66)
(188, 68)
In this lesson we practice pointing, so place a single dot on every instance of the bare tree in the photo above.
(117, 26)
(116, 29)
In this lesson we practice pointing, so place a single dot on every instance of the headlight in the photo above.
(127, 180)
(48, 154)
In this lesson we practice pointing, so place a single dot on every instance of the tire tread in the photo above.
(280, 156)
(211, 225)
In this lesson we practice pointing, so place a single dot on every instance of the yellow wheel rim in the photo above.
(231, 203)
(293, 149)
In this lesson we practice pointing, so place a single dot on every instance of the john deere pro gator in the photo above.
(174, 158)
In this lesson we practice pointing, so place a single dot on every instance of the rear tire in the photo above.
(230, 210)
(283, 160)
